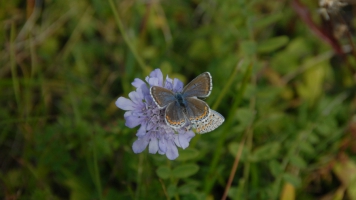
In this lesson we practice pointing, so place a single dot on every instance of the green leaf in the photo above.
(250, 92)
(113, 194)
(187, 188)
(313, 138)
(272, 44)
(163, 172)
(186, 170)
(265, 152)
(232, 192)
(298, 161)
(79, 190)
(172, 190)
(326, 126)
(190, 196)
(292, 179)
(248, 47)
(199, 49)
(187, 154)
(275, 168)
(268, 20)
(149, 52)
(307, 148)
(311, 89)
(234, 148)
(245, 116)
(41, 194)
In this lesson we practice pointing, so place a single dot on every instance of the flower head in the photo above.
(153, 131)
(330, 7)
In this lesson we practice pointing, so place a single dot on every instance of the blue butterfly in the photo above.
(186, 106)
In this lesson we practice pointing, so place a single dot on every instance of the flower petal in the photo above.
(177, 85)
(137, 83)
(140, 144)
(155, 78)
(149, 100)
(184, 138)
(131, 120)
(153, 145)
(161, 152)
(176, 140)
(157, 73)
(141, 131)
(125, 104)
(169, 83)
(162, 145)
(144, 90)
(153, 82)
(172, 151)
(137, 97)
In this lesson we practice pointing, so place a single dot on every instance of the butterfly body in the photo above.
(180, 99)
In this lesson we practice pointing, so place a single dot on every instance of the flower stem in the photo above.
(96, 171)
(126, 38)
(139, 176)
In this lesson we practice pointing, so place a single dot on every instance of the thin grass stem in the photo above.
(127, 40)
(15, 81)
(227, 86)
(96, 170)
(233, 169)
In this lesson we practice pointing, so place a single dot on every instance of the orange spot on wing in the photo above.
(201, 116)
(173, 122)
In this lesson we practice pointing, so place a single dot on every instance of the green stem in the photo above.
(15, 81)
(33, 56)
(227, 86)
(126, 38)
(139, 176)
(249, 144)
(96, 171)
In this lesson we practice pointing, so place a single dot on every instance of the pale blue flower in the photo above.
(153, 131)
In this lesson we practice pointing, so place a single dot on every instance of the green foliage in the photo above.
(163, 172)
(265, 152)
(288, 101)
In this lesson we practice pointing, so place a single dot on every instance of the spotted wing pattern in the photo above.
(214, 120)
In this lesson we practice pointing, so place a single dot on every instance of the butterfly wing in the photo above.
(214, 120)
(201, 86)
(196, 110)
(174, 115)
(161, 96)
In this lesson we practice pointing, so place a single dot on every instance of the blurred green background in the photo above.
(289, 101)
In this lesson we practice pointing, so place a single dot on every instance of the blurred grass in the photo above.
(280, 88)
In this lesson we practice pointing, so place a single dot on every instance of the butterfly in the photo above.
(186, 106)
